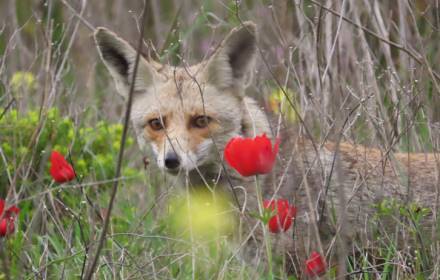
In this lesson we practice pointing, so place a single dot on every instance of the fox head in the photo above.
(186, 115)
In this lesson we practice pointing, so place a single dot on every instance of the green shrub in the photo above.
(27, 142)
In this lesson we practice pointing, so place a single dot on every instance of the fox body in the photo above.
(184, 116)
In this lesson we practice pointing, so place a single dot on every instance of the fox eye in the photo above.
(200, 121)
(156, 124)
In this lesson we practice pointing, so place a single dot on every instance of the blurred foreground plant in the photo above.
(201, 215)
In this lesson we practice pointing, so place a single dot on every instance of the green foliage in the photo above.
(23, 84)
(233, 10)
(279, 105)
(2, 50)
(406, 221)
(391, 207)
(27, 139)
(24, 80)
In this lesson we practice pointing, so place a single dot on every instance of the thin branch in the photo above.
(103, 236)
(79, 16)
(7, 107)
(416, 56)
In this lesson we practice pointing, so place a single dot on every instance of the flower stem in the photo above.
(265, 232)
(4, 258)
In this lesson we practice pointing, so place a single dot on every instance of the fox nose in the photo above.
(172, 161)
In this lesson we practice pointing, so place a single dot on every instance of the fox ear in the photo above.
(229, 65)
(119, 58)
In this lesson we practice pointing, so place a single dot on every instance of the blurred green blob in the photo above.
(202, 215)
(23, 81)
(279, 104)
(7, 149)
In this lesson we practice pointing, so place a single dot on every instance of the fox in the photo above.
(183, 117)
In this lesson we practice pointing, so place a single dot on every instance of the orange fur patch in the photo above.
(199, 135)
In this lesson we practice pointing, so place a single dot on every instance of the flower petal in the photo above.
(315, 265)
(2, 206)
(60, 170)
(13, 209)
(251, 156)
(282, 220)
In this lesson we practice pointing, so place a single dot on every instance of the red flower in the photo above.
(251, 156)
(60, 170)
(315, 265)
(7, 219)
(284, 213)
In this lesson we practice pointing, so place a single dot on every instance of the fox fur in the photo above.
(341, 181)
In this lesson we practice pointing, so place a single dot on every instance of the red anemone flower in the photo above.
(315, 265)
(284, 213)
(60, 170)
(7, 218)
(251, 156)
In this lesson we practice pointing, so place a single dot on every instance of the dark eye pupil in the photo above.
(156, 124)
(201, 121)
